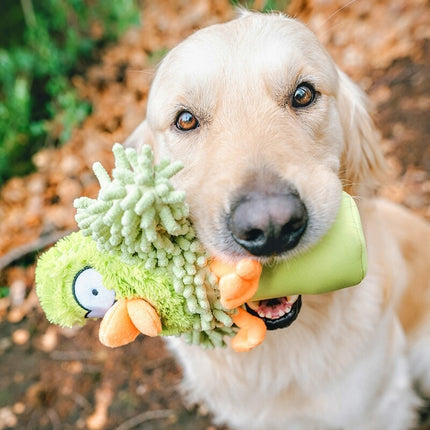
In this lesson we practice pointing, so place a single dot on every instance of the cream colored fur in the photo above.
(347, 362)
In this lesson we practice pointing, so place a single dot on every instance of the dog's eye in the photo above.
(186, 121)
(303, 95)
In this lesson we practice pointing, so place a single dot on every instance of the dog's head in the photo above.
(268, 129)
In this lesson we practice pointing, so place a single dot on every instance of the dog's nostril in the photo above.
(267, 225)
(292, 226)
(254, 234)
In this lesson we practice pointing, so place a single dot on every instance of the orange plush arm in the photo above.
(237, 282)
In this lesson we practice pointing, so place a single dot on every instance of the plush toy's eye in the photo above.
(91, 294)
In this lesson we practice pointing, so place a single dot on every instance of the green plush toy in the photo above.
(75, 281)
(137, 241)
(138, 264)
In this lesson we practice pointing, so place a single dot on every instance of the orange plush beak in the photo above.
(126, 319)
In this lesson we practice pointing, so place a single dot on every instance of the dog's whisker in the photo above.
(337, 11)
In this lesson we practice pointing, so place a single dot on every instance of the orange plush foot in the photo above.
(116, 328)
(252, 331)
(237, 283)
(144, 317)
(126, 319)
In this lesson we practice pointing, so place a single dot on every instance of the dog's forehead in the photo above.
(253, 40)
(233, 57)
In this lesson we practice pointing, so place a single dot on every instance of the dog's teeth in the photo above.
(262, 314)
(274, 310)
(254, 305)
(292, 299)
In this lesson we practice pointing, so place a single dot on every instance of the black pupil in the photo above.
(186, 121)
(94, 292)
(303, 95)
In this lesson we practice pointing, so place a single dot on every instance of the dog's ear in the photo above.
(362, 165)
(141, 135)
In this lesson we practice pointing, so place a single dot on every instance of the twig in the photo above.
(40, 243)
(157, 363)
(146, 416)
(71, 355)
(54, 418)
(28, 12)
(80, 400)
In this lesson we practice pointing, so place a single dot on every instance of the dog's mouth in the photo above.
(276, 313)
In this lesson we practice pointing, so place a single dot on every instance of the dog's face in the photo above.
(258, 114)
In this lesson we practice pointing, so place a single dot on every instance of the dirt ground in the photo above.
(52, 378)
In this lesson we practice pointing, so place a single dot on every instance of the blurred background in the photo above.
(74, 79)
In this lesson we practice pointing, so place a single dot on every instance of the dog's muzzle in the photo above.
(266, 219)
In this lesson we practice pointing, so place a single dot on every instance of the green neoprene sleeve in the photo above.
(337, 261)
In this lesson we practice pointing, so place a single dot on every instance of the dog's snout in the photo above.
(267, 225)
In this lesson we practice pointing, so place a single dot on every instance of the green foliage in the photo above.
(156, 56)
(4, 292)
(269, 5)
(49, 41)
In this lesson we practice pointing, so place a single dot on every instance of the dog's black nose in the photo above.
(267, 225)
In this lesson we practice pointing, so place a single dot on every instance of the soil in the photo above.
(54, 378)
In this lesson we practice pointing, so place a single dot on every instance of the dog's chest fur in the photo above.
(337, 367)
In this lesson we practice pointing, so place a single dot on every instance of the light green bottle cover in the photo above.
(337, 261)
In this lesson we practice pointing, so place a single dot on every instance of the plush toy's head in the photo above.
(76, 281)
(58, 278)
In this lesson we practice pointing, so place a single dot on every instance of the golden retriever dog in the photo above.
(270, 132)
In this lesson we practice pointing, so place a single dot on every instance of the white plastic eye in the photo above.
(91, 294)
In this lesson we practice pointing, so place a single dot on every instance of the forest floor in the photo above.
(53, 378)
